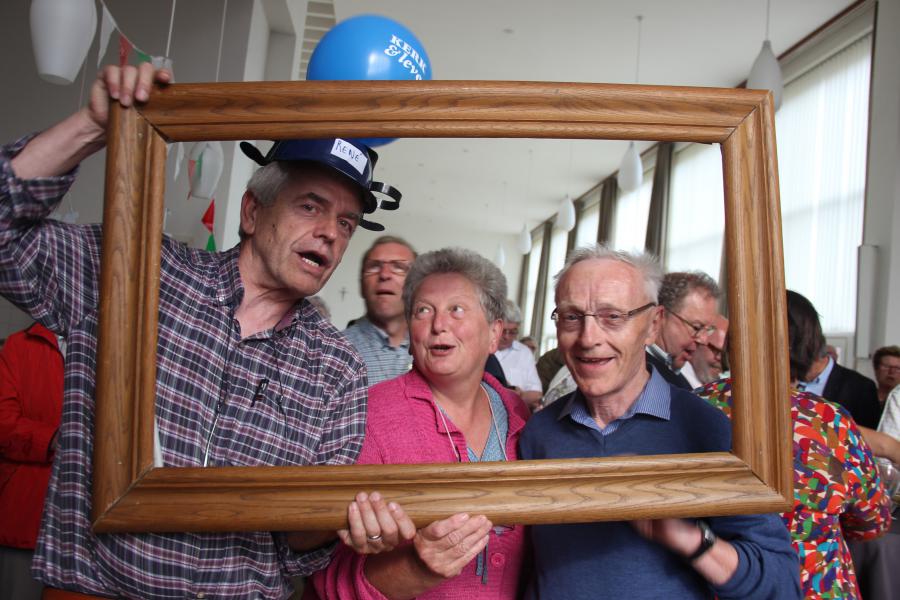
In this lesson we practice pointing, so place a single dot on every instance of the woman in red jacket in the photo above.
(31, 391)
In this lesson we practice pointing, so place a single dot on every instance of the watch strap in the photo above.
(707, 539)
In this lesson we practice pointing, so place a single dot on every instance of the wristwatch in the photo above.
(707, 539)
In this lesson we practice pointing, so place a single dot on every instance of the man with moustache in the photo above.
(689, 307)
(381, 336)
(248, 372)
(606, 313)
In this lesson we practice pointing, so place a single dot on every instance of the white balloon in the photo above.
(210, 160)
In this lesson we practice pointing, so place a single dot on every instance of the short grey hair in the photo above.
(483, 274)
(265, 184)
(676, 287)
(511, 312)
(646, 264)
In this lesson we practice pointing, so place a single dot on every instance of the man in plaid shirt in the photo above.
(248, 372)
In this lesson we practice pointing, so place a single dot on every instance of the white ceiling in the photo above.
(685, 42)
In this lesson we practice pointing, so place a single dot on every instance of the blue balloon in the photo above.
(369, 47)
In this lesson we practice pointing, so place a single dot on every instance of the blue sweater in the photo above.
(609, 559)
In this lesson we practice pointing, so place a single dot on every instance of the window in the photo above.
(631, 214)
(558, 245)
(534, 265)
(588, 220)
(696, 210)
(822, 130)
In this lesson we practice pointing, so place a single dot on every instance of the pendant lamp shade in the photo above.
(631, 171)
(208, 160)
(61, 34)
(766, 74)
(500, 256)
(565, 217)
(524, 242)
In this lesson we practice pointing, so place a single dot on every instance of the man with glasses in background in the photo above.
(606, 313)
(517, 359)
(381, 336)
(689, 308)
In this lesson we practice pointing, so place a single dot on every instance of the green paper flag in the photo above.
(211, 243)
(142, 58)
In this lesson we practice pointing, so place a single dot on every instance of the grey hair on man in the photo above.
(266, 183)
(676, 287)
(484, 275)
(646, 264)
(511, 312)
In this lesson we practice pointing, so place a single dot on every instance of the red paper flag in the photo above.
(209, 215)
(124, 50)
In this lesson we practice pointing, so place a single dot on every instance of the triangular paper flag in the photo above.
(142, 58)
(211, 243)
(124, 49)
(179, 156)
(192, 166)
(106, 28)
(209, 216)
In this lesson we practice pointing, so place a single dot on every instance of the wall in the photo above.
(882, 214)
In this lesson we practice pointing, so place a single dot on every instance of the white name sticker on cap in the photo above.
(350, 154)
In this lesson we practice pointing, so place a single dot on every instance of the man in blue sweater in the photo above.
(606, 313)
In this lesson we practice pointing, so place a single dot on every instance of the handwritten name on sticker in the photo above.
(407, 56)
(350, 154)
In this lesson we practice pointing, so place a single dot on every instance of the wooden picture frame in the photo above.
(129, 494)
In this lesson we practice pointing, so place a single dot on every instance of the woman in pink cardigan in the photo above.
(446, 409)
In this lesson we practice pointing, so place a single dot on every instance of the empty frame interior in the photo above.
(129, 494)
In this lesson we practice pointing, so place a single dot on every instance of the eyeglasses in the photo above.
(397, 267)
(889, 368)
(610, 319)
(513, 331)
(698, 329)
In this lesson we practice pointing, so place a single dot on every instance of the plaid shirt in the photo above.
(311, 410)
(383, 361)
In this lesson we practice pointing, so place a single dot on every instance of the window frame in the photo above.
(130, 494)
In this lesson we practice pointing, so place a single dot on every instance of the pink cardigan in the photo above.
(404, 427)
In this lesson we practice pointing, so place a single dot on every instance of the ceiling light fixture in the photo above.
(631, 170)
(766, 72)
(524, 243)
(565, 216)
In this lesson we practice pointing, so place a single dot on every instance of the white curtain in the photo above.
(558, 243)
(696, 210)
(632, 210)
(534, 265)
(588, 223)
(822, 129)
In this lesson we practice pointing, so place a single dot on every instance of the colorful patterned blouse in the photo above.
(837, 492)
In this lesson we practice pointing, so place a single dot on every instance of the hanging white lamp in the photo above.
(500, 256)
(523, 244)
(565, 216)
(766, 72)
(631, 169)
(61, 34)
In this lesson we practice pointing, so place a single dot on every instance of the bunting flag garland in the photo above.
(208, 221)
(125, 47)
(107, 26)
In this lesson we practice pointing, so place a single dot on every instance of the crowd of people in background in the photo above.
(436, 371)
